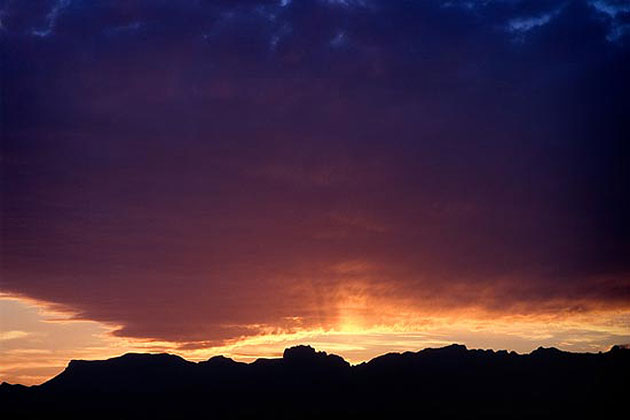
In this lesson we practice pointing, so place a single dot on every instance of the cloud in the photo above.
(617, 13)
(611, 8)
(198, 172)
(51, 19)
(11, 335)
(525, 24)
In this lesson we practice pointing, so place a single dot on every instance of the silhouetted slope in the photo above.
(433, 383)
(128, 373)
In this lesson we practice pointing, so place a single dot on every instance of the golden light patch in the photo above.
(37, 340)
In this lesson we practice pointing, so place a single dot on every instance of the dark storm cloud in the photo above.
(188, 168)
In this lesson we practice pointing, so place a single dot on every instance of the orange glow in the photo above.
(37, 340)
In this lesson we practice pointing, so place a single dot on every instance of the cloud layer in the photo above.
(199, 171)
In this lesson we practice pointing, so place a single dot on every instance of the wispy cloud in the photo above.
(524, 24)
(51, 19)
(11, 335)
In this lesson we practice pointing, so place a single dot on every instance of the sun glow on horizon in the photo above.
(37, 339)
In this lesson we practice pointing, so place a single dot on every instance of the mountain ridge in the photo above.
(444, 382)
(307, 349)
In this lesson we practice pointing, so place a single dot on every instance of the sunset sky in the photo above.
(234, 177)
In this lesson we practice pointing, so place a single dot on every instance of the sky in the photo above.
(233, 177)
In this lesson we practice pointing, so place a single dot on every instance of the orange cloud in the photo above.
(37, 342)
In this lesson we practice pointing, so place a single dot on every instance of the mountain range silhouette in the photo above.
(448, 382)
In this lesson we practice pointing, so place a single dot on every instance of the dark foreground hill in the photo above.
(450, 382)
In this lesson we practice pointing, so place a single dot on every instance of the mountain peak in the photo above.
(454, 348)
(546, 350)
(301, 352)
(220, 361)
(307, 355)
(620, 348)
